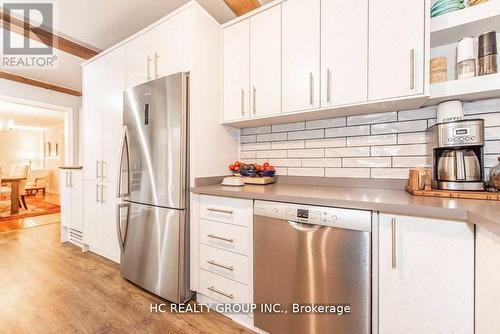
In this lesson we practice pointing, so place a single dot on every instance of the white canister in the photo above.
(466, 58)
(450, 111)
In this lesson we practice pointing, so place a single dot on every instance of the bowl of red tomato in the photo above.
(252, 170)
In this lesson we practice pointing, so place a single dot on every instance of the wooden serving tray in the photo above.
(259, 180)
(484, 195)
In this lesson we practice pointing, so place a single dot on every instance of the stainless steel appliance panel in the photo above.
(301, 263)
(154, 152)
(153, 242)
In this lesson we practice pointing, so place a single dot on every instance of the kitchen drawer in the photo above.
(225, 236)
(223, 289)
(228, 210)
(224, 263)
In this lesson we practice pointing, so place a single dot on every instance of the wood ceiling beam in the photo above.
(37, 83)
(241, 7)
(43, 36)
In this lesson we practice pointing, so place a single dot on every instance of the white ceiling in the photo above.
(103, 23)
(28, 116)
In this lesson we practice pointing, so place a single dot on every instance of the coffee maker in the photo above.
(455, 151)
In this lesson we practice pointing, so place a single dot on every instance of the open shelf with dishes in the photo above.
(466, 26)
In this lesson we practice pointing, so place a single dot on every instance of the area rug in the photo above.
(36, 207)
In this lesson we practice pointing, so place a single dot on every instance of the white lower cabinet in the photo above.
(71, 195)
(426, 276)
(100, 234)
(487, 280)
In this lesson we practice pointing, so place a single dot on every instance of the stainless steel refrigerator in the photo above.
(152, 218)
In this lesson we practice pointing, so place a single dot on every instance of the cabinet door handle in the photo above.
(242, 102)
(97, 193)
(412, 69)
(103, 175)
(393, 232)
(71, 179)
(311, 89)
(97, 167)
(156, 64)
(328, 86)
(225, 294)
(102, 194)
(213, 236)
(221, 210)
(254, 101)
(66, 179)
(230, 268)
(147, 67)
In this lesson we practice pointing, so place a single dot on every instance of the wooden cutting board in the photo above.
(484, 195)
(259, 180)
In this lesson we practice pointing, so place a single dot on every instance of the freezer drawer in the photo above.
(153, 243)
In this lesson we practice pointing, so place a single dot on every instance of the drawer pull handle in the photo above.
(228, 295)
(220, 210)
(220, 265)
(393, 232)
(220, 238)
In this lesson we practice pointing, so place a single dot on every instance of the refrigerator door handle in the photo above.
(124, 150)
(122, 238)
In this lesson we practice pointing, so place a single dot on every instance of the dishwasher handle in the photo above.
(304, 227)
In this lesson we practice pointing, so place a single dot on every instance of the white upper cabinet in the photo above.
(344, 52)
(141, 59)
(426, 276)
(265, 62)
(236, 71)
(397, 48)
(301, 55)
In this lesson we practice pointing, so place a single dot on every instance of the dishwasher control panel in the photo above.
(336, 217)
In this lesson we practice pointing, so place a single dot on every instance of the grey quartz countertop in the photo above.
(71, 167)
(396, 201)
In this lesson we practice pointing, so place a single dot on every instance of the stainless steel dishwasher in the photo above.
(307, 255)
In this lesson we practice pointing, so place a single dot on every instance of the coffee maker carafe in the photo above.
(456, 153)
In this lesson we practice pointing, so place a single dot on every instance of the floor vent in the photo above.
(75, 237)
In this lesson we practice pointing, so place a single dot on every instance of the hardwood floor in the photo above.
(49, 287)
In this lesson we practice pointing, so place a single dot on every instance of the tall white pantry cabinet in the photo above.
(187, 40)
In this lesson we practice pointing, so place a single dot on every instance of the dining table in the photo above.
(14, 192)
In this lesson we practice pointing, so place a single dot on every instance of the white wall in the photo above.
(55, 135)
(21, 146)
(13, 92)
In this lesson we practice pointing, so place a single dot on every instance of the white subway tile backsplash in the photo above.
(326, 123)
(319, 172)
(255, 146)
(272, 137)
(332, 142)
(347, 152)
(347, 172)
(390, 173)
(366, 162)
(492, 133)
(412, 138)
(372, 140)
(248, 155)
(307, 153)
(308, 134)
(398, 127)
(492, 147)
(286, 162)
(248, 139)
(398, 150)
(289, 127)
(322, 162)
(257, 130)
(482, 106)
(409, 161)
(373, 118)
(283, 145)
(422, 113)
(377, 145)
(348, 131)
(271, 154)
